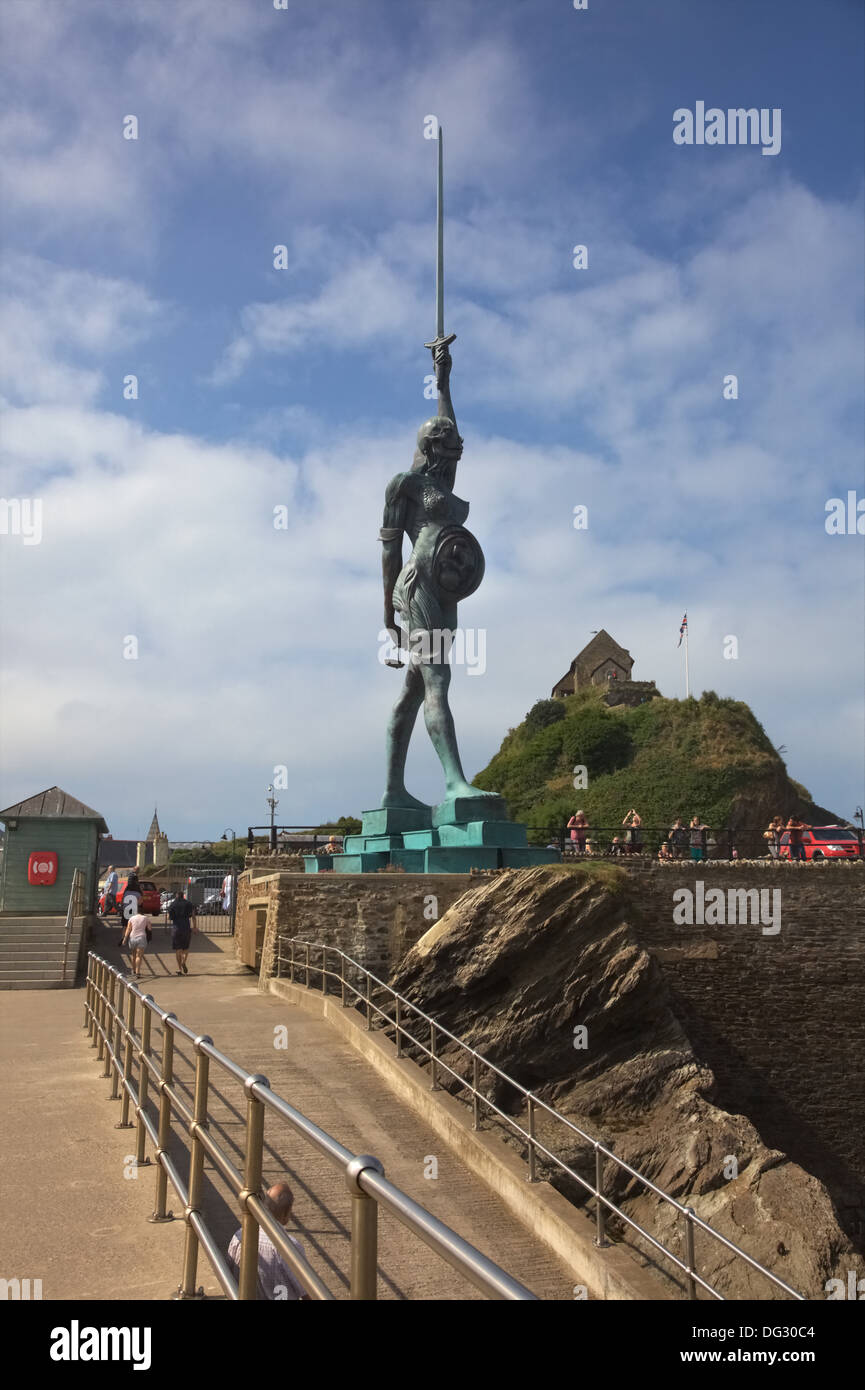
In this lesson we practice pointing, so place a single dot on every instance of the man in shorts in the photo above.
(182, 917)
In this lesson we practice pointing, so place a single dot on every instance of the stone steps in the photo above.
(32, 951)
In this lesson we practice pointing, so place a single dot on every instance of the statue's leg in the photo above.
(440, 727)
(399, 732)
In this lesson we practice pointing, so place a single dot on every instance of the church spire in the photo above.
(154, 832)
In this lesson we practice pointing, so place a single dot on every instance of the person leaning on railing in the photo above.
(678, 838)
(578, 826)
(797, 827)
(275, 1282)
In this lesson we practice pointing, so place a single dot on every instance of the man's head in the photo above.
(280, 1200)
(438, 444)
(178, 894)
(111, 868)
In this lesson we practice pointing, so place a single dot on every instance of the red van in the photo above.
(825, 842)
(151, 901)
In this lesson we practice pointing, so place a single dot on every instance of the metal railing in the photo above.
(612, 841)
(111, 1005)
(75, 909)
(434, 1032)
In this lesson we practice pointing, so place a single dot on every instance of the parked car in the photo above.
(150, 901)
(212, 905)
(825, 842)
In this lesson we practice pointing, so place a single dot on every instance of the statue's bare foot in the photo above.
(464, 788)
(402, 800)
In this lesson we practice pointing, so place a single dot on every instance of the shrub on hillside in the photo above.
(542, 714)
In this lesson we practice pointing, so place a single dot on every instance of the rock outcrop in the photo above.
(520, 963)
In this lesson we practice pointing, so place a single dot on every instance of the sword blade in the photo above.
(440, 260)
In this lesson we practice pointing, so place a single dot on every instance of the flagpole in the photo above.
(687, 677)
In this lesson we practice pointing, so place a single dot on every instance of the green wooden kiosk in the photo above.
(47, 837)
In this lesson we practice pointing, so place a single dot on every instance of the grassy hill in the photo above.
(667, 758)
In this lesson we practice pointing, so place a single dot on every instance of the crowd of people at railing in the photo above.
(694, 840)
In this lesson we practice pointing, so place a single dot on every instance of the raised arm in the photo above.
(442, 363)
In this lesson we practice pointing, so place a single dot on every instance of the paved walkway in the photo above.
(69, 1217)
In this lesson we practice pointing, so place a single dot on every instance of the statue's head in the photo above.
(439, 446)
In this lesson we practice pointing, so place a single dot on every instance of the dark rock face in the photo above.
(525, 958)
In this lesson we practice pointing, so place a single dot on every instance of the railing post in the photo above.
(291, 960)
(247, 1283)
(398, 1023)
(689, 1251)
(434, 1086)
(601, 1214)
(127, 1061)
(143, 1079)
(306, 976)
(364, 1231)
(368, 1007)
(164, 1133)
(476, 1099)
(99, 1041)
(108, 1026)
(324, 970)
(87, 993)
(196, 1171)
(118, 1034)
(531, 1120)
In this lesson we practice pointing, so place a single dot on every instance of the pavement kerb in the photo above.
(607, 1274)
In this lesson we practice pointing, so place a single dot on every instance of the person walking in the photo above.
(181, 914)
(275, 1280)
(772, 836)
(578, 826)
(137, 934)
(796, 828)
(110, 890)
(131, 897)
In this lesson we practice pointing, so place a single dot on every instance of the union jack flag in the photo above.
(682, 630)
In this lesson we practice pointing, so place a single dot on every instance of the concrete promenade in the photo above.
(68, 1215)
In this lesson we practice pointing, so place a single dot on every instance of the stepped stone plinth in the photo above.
(464, 833)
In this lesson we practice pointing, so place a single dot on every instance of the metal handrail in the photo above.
(120, 1048)
(533, 1104)
(76, 900)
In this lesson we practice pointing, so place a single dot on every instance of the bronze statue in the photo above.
(446, 565)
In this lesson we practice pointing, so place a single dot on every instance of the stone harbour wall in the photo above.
(374, 918)
(780, 1018)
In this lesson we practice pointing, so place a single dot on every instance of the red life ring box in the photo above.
(42, 867)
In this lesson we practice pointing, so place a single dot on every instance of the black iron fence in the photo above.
(646, 841)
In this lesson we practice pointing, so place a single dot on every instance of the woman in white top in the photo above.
(136, 935)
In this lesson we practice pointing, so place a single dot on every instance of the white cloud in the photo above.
(54, 319)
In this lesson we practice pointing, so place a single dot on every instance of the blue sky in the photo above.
(303, 387)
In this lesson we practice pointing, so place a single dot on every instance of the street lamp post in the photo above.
(272, 803)
(225, 835)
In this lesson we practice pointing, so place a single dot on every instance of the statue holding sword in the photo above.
(446, 565)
